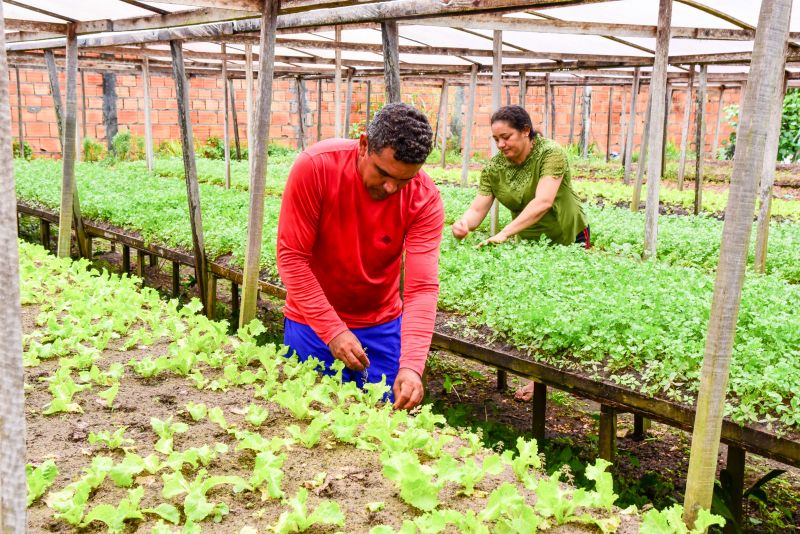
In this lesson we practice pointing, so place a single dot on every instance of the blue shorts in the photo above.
(381, 343)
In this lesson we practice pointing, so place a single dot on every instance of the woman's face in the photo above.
(514, 144)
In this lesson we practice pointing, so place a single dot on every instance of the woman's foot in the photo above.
(525, 393)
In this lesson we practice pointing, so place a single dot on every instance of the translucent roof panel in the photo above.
(90, 9)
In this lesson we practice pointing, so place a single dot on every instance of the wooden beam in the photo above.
(572, 114)
(623, 126)
(546, 110)
(20, 125)
(667, 111)
(235, 118)
(148, 122)
(241, 5)
(301, 111)
(190, 172)
(715, 136)
(497, 45)
(471, 103)
(67, 130)
(523, 88)
(36, 26)
(348, 102)
(369, 104)
(655, 141)
(700, 139)
(607, 444)
(442, 121)
(337, 87)
(391, 58)
(319, 110)
(539, 411)
(258, 164)
(226, 127)
(55, 93)
(687, 111)
(586, 123)
(608, 122)
(12, 377)
(248, 105)
(643, 148)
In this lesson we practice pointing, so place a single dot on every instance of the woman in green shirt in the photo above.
(530, 176)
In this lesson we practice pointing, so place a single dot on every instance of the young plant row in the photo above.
(444, 476)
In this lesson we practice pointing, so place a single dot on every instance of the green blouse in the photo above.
(514, 186)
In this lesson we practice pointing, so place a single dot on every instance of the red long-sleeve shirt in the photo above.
(339, 251)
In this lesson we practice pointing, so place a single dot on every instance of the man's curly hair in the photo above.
(404, 129)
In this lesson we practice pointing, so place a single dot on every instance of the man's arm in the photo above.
(421, 293)
(297, 232)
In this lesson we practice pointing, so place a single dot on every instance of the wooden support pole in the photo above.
(126, 259)
(153, 260)
(628, 159)
(140, 263)
(607, 445)
(637, 186)
(148, 121)
(337, 91)
(319, 109)
(248, 95)
(69, 130)
(768, 180)
(258, 162)
(235, 117)
(734, 466)
(348, 102)
(467, 151)
(301, 111)
(539, 411)
(391, 60)
(442, 120)
(655, 141)
(546, 111)
(553, 112)
(13, 491)
(623, 124)
(687, 112)
(190, 169)
(700, 138)
(523, 88)
(641, 425)
(55, 92)
(572, 114)
(234, 298)
(715, 137)
(497, 65)
(664, 137)
(502, 380)
(226, 128)
(44, 233)
(84, 105)
(176, 279)
(764, 81)
(211, 298)
(586, 123)
(608, 122)
(369, 104)
(20, 125)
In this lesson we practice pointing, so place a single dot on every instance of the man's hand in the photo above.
(460, 229)
(347, 348)
(494, 240)
(408, 390)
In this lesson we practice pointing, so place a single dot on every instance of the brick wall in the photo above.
(206, 96)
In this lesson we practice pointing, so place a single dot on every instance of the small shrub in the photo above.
(127, 147)
(93, 150)
(28, 151)
(213, 148)
(169, 149)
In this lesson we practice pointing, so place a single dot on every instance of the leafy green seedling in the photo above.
(416, 483)
(40, 479)
(165, 431)
(114, 441)
(670, 521)
(268, 474)
(114, 517)
(312, 434)
(196, 411)
(299, 519)
(256, 414)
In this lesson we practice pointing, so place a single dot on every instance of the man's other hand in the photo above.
(408, 390)
(347, 348)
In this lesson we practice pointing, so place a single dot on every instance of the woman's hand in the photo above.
(460, 229)
(496, 239)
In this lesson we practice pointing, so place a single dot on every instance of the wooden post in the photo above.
(176, 279)
(687, 111)
(391, 60)
(211, 298)
(234, 298)
(69, 131)
(608, 123)
(190, 169)
(586, 120)
(248, 95)
(523, 88)
(764, 80)
(626, 177)
(497, 65)
(715, 137)
(623, 125)
(552, 112)
(258, 163)
(12, 423)
(140, 263)
(442, 120)
(700, 138)
(44, 233)
(539, 411)
(337, 95)
(767, 181)
(153, 259)
(572, 114)
(637, 186)
(467, 151)
(641, 425)
(55, 92)
(734, 466)
(608, 433)
(20, 126)
(655, 141)
(546, 111)
(83, 106)
(226, 128)
(664, 137)
(126, 259)
(235, 117)
(319, 110)
(348, 102)
(148, 122)
(301, 112)
(369, 104)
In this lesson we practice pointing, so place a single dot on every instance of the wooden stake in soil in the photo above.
(623, 125)
(348, 102)
(626, 177)
(258, 163)
(467, 151)
(12, 421)
(20, 126)
(248, 95)
(148, 123)
(764, 80)
(226, 128)
(44, 234)
(391, 60)
(126, 259)
(608, 123)
(687, 111)
(637, 186)
(235, 117)
(190, 170)
(176, 279)
(497, 65)
(319, 110)
(586, 120)
(715, 137)
(69, 130)
(607, 444)
(301, 111)
(539, 411)
(667, 110)
(337, 88)
(572, 114)
(141, 255)
(442, 120)
(655, 141)
(700, 139)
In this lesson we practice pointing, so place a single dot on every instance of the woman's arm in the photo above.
(542, 202)
(473, 217)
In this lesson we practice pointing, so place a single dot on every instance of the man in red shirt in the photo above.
(351, 210)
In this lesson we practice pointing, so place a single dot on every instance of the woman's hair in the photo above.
(516, 117)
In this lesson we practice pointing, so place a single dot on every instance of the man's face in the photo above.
(382, 174)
